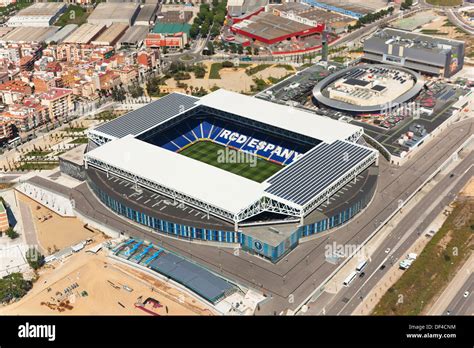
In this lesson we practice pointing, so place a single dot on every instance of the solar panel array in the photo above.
(150, 115)
(311, 175)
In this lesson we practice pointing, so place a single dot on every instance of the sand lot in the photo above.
(468, 190)
(56, 232)
(233, 79)
(104, 287)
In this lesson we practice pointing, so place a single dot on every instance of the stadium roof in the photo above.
(149, 116)
(317, 170)
(293, 190)
(292, 119)
(212, 185)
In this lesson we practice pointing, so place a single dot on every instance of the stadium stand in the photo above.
(269, 147)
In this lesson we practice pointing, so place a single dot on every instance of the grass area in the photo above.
(429, 31)
(216, 67)
(75, 129)
(448, 23)
(256, 69)
(81, 140)
(287, 67)
(435, 266)
(38, 166)
(214, 73)
(37, 153)
(74, 15)
(444, 2)
(106, 116)
(275, 80)
(339, 59)
(19, 5)
(304, 66)
(186, 57)
(211, 153)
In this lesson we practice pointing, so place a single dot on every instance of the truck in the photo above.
(405, 264)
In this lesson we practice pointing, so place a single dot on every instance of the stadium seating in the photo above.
(188, 132)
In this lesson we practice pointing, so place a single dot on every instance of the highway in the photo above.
(461, 305)
(453, 17)
(401, 238)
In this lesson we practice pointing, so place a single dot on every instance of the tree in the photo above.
(13, 286)
(118, 94)
(204, 29)
(210, 47)
(135, 90)
(10, 232)
(34, 258)
(227, 64)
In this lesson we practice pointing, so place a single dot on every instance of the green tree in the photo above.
(13, 286)
(10, 232)
(118, 94)
(135, 90)
(34, 258)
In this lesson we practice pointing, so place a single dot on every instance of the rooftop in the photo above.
(109, 11)
(292, 119)
(269, 26)
(110, 35)
(55, 93)
(147, 12)
(171, 28)
(415, 40)
(85, 33)
(41, 9)
(134, 34)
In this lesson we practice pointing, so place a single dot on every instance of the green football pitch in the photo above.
(256, 169)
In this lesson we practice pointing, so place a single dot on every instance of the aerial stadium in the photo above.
(232, 170)
(368, 88)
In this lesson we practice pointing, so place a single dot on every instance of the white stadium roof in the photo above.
(197, 179)
(294, 190)
(290, 118)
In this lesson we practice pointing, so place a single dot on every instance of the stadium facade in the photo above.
(137, 167)
(426, 54)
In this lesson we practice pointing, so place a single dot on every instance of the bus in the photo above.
(14, 141)
(350, 278)
(361, 265)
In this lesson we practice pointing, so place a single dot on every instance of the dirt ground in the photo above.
(233, 79)
(104, 287)
(468, 190)
(56, 232)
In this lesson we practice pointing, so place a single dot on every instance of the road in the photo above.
(461, 305)
(453, 17)
(401, 238)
